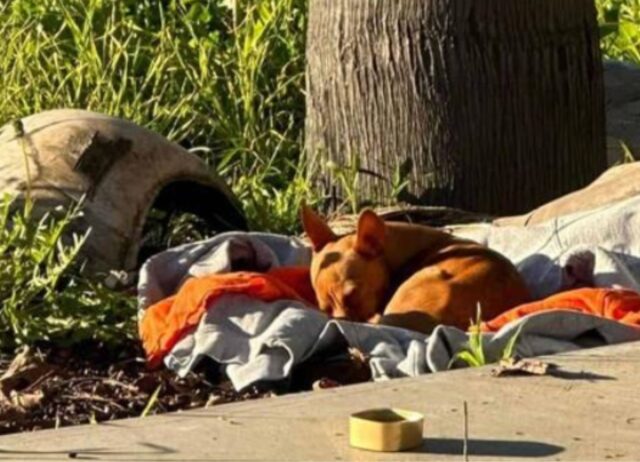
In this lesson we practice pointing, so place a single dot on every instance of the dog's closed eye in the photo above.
(329, 259)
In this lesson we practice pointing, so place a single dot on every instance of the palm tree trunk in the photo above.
(493, 106)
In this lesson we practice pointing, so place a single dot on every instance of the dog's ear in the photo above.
(316, 228)
(370, 234)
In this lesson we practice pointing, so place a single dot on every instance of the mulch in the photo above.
(51, 387)
(55, 387)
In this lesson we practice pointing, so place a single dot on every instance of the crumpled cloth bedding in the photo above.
(262, 340)
(162, 274)
(165, 322)
(599, 248)
(621, 305)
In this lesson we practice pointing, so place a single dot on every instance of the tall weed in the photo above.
(222, 74)
(42, 296)
(620, 29)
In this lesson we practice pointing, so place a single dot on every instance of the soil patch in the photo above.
(49, 387)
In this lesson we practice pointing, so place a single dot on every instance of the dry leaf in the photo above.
(26, 401)
(358, 355)
(324, 383)
(216, 399)
(517, 366)
(25, 369)
(10, 413)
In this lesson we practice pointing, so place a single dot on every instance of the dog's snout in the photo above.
(338, 313)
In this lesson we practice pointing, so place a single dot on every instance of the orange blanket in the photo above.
(618, 304)
(165, 322)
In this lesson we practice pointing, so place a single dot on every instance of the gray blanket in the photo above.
(598, 248)
(257, 341)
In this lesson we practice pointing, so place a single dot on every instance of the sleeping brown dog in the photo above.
(407, 275)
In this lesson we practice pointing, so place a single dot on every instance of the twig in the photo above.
(118, 383)
(40, 380)
(465, 443)
(106, 381)
(124, 362)
(88, 397)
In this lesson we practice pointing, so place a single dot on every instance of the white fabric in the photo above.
(600, 247)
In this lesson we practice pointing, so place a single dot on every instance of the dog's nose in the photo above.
(338, 313)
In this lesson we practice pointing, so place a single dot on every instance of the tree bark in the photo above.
(496, 106)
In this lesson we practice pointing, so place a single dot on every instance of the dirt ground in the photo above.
(53, 387)
(50, 387)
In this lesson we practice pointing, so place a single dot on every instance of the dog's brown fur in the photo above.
(407, 275)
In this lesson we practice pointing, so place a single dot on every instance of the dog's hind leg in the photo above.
(420, 302)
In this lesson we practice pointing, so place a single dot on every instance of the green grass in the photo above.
(42, 296)
(221, 77)
(620, 29)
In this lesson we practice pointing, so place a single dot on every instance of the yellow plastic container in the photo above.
(386, 430)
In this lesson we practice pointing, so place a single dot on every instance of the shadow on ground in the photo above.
(490, 448)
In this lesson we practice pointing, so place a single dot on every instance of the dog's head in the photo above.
(349, 273)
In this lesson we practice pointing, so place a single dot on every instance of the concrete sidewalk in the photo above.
(590, 412)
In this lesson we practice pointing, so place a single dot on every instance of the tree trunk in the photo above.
(495, 106)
